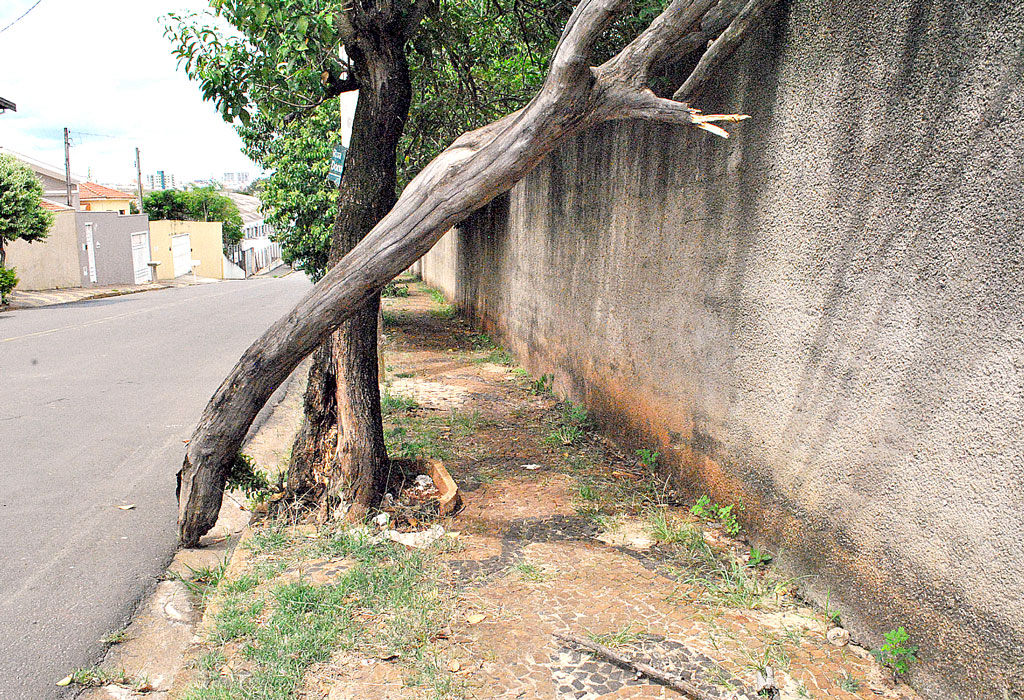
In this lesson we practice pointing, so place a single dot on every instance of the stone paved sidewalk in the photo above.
(532, 562)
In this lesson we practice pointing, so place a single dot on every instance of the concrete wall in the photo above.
(112, 236)
(822, 316)
(51, 263)
(207, 246)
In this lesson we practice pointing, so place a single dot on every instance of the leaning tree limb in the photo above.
(476, 168)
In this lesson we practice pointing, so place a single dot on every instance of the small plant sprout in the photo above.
(897, 653)
(758, 557)
(648, 459)
(726, 515)
(849, 682)
(541, 386)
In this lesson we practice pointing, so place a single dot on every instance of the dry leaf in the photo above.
(454, 666)
(64, 681)
(128, 507)
(476, 618)
(277, 496)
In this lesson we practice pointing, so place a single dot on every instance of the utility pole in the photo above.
(138, 171)
(67, 163)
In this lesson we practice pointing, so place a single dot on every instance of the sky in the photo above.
(104, 68)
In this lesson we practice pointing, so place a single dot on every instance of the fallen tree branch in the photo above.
(476, 168)
(684, 687)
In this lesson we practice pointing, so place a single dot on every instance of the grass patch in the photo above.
(624, 635)
(668, 530)
(391, 602)
(115, 637)
(201, 582)
(396, 403)
(269, 539)
(96, 677)
(531, 572)
(849, 682)
(444, 310)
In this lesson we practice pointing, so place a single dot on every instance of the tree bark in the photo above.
(339, 454)
(477, 167)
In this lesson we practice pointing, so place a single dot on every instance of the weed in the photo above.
(405, 375)
(897, 653)
(531, 572)
(802, 691)
(758, 557)
(849, 682)
(96, 677)
(247, 477)
(520, 372)
(201, 581)
(269, 539)
(576, 415)
(564, 435)
(726, 515)
(500, 356)
(668, 531)
(393, 290)
(396, 403)
(413, 442)
(586, 492)
(211, 661)
(831, 614)
(542, 385)
(432, 671)
(648, 459)
(444, 310)
(622, 636)
(482, 341)
(390, 319)
(115, 637)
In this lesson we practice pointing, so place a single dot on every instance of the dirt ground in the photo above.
(530, 560)
(561, 531)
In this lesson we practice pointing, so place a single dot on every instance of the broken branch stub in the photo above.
(477, 167)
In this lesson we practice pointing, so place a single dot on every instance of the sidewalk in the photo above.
(563, 532)
(51, 297)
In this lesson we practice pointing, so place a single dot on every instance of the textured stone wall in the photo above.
(822, 316)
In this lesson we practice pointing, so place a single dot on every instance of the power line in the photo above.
(23, 14)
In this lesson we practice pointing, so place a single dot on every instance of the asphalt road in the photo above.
(96, 399)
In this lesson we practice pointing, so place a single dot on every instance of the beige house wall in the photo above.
(51, 263)
(207, 240)
(116, 205)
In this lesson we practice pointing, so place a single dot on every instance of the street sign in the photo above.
(337, 164)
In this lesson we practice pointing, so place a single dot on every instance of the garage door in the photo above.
(181, 252)
(140, 257)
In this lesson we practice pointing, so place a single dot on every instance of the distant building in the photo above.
(99, 198)
(236, 181)
(256, 251)
(160, 181)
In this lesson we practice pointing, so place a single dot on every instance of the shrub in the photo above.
(8, 281)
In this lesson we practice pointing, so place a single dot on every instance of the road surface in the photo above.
(96, 399)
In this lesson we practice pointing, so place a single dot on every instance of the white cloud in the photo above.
(105, 68)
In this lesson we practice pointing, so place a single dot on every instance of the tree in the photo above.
(21, 213)
(195, 204)
(477, 167)
(274, 79)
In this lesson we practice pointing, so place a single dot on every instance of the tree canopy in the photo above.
(196, 204)
(21, 214)
(277, 77)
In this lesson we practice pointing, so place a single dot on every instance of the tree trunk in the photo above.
(339, 453)
(476, 168)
